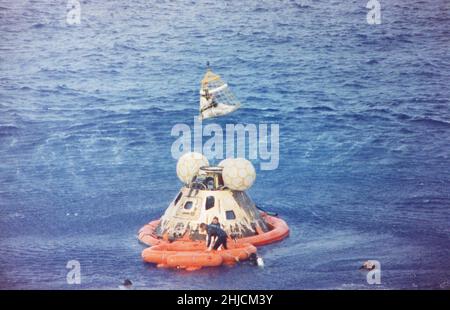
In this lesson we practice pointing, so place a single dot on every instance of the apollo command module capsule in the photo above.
(209, 192)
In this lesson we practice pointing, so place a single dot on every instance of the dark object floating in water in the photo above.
(127, 282)
(126, 285)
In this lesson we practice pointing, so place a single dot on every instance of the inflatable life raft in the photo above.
(192, 255)
(278, 230)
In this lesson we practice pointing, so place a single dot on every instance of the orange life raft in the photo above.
(192, 255)
(278, 231)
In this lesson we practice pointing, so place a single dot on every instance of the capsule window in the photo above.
(188, 205)
(230, 215)
(178, 198)
(209, 202)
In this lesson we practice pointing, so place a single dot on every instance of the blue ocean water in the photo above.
(86, 113)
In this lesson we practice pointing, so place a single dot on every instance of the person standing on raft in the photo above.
(213, 231)
(215, 223)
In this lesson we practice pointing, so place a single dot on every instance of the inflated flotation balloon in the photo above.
(238, 173)
(189, 164)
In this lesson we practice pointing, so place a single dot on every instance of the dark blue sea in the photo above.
(86, 113)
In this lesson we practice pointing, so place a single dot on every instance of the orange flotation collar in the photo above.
(192, 255)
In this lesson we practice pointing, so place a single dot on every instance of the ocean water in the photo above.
(86, 113)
